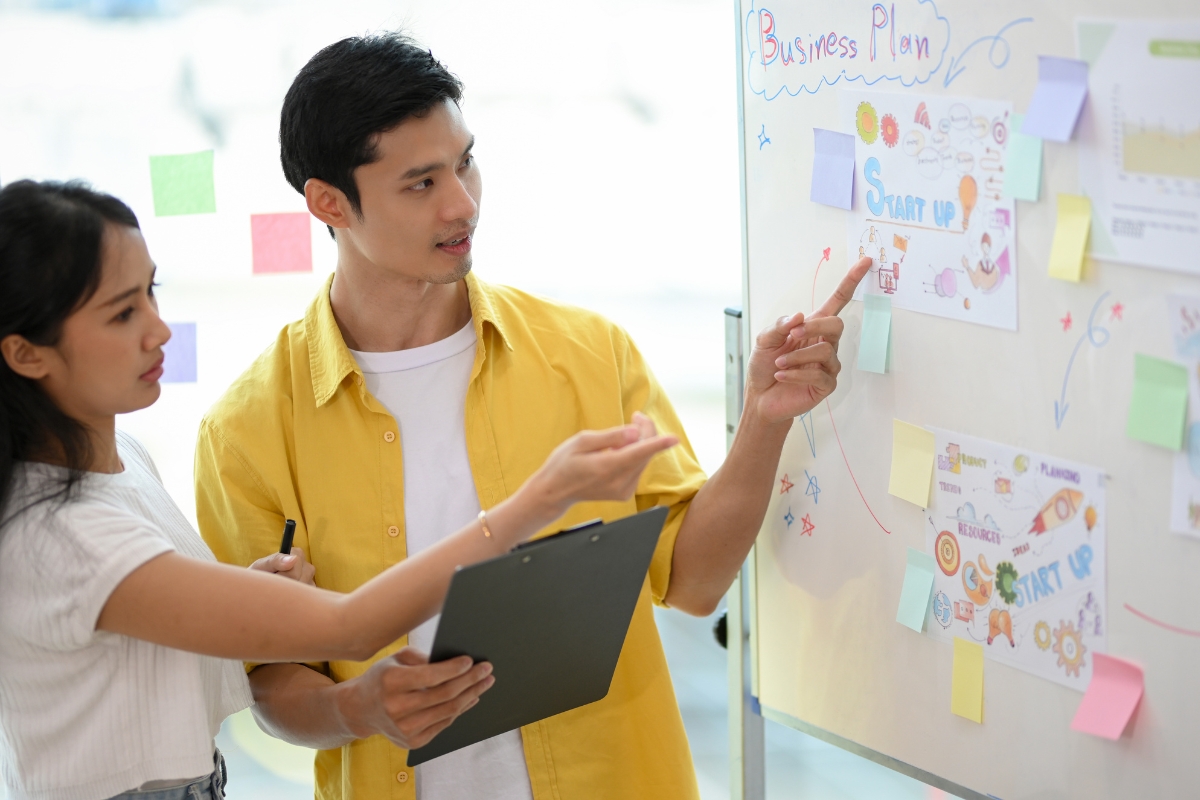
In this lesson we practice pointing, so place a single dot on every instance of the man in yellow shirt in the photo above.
(410, 396)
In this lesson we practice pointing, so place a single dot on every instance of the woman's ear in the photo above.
(24, 357)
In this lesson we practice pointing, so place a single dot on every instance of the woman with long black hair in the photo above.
(117, 626)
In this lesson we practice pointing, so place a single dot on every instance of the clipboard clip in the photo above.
(583, 526)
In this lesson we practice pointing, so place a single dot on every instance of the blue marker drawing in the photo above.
(763, 138)
(788, 518)
(1095, 334)
(997, 39)
(813, 488)
(809, 431)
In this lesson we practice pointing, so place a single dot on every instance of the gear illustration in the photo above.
(1041, 635)
(867, 122)
(1006, 581)
(890, 130)
(1068, 644)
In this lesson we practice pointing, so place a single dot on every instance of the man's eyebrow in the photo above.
(425, 169)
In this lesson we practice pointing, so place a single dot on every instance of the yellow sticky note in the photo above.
(912, 463)
(1070, 237)
(966, 692)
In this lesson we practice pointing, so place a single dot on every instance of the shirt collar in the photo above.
(330, 361)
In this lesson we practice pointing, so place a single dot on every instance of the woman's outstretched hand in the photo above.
(596, 465)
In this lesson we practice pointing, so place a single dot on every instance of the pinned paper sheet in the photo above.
(833, 168)
(1057, 100)
(912, 463)
(1022, 164)
(1070, 237)
(918, 585)
(966, 689)
(183, 184)
(1111, 697)
(875, 344)
(281, 242)
(179, 354)
(1158, 409)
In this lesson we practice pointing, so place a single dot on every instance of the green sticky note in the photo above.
(912, 463)
(183, 184)
(1070, 237)
(873, 347)
(1158, 410)
(1022, 163)
(966, 683)
(918, 585)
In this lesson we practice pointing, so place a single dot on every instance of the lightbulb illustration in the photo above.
(967, 192)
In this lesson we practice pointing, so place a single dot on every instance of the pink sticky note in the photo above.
(1111, 697)
(282, 243)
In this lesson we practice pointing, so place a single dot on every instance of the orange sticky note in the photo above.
(1111, 697)
(966, 685)
(281, 242)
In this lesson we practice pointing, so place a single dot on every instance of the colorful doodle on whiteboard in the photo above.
(1183, 314)
(929, 208)
(1019, 540)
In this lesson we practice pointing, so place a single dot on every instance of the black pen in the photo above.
(289, 531)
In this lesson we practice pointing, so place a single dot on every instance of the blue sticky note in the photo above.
(833, 168)
(1022, 163)
(1062, 87)
(918, 585)
(875, 344)
(179, 354)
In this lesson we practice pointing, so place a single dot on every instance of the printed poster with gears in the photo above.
(929, 207)
(1018, 539)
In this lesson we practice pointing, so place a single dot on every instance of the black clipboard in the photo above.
(551, 616)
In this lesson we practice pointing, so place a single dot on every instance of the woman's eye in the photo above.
(468, 161)
(425, 184)
(150, 291)
(125, 315)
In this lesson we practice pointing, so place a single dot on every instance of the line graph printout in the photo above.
(1140, 158)
(1019, 540)
(929, 204)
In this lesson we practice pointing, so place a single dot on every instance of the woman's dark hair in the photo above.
(346, 95)
(51, 240)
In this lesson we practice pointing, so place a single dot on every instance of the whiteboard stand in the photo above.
(747, 768)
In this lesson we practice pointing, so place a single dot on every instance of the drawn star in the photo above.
(786, 485)
(813, 488)
(788, 518)
(762, 137)
(808, 526)
(1117, 310)
(1066, 321)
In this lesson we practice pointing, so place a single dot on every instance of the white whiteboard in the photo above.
(829, 653)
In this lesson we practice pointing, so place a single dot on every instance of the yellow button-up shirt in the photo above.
(299, 436)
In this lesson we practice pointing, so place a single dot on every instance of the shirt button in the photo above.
(402, 776)
(358, 379)
(389, 437)
(393, 531)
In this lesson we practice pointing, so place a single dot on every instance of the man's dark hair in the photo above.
(345, 96)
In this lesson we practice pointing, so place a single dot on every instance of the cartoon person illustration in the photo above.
(986, 275)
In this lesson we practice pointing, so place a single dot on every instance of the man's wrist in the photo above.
(347, 709)
(753, 422)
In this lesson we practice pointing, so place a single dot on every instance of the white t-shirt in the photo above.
(86, 714)
(425, 389)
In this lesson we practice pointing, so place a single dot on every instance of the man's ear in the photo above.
(327, 203)
(24, 357)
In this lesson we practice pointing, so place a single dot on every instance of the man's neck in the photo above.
(382, 313)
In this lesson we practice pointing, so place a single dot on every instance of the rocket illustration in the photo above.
(1060, 508)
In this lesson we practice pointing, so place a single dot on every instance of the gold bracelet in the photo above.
(483, 523)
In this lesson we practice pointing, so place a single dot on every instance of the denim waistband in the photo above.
(210, 787)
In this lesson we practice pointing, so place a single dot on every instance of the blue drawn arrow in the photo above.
(1095, 334)
(997, 39)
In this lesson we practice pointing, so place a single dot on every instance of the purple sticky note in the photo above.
(1057, 100)
(833, 169)
(179, 354)
(1113, 694)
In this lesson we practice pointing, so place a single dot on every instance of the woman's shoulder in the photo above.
(130, 449)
